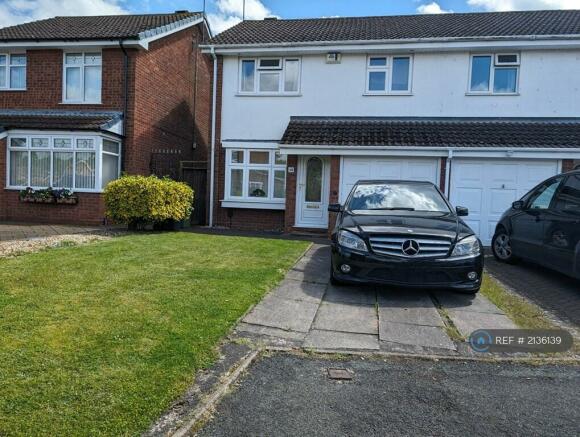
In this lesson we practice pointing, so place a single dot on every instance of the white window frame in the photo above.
(495, 65)
(271, 166)
(388, 70)
(98, 150)
(82, 66)
(281, 68)
(9, 66)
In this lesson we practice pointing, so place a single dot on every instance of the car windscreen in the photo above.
(397, 197)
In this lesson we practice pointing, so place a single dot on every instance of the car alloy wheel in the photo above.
(502, 247)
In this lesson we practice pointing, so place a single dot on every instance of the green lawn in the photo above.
(99, 339)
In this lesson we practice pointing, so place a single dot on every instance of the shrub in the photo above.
(138, 200)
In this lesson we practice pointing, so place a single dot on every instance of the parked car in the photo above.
(544, 226)
(404, 233)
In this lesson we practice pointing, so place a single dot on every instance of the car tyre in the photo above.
(502, 249)
(333, 280)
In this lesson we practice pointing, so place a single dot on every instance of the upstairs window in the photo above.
(270, 76)
(12, 71)
(389, 75)
(494, 74)
(82, 78)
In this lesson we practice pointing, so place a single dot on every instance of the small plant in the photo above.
(48, 195)
(140, 200)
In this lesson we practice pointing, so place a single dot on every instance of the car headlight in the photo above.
(351, 241)
(466, 248)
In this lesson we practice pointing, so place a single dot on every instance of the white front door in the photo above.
(312, 192)
(489, 186)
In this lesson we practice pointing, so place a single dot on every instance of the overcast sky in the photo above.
(225, 13)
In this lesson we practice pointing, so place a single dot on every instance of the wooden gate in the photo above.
(194, 173)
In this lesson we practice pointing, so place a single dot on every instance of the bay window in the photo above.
(255, 175)
(389, 75)
(12, 71)
(79, 163)
(82, 77)
(270, 76)
(494, 74)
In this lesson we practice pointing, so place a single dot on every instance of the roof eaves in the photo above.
(157, 31)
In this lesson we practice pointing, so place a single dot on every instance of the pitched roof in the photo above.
(58, 120)
(402, 27)
(433, 132)
(106, 27)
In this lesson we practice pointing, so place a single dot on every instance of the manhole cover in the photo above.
(340, 374)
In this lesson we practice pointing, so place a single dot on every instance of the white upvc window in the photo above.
(82, 163)
(389, 74)
(270, 76)
(494, 73)
(257, 175)
(82, 77)
(13, 71)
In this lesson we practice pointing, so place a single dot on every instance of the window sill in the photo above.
(12, 89)
(253, 204)
(268, 95)
(492, 94)
(80, 103)
(386, 94)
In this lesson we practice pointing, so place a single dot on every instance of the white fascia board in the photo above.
(419, 45)
(479, 152)
(76, 133)
(68, 44)
(3, 135)
(249, 144)
(145, 40)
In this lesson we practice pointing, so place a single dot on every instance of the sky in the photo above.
(226, 13)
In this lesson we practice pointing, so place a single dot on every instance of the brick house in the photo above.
(83, 99)
(485, 105)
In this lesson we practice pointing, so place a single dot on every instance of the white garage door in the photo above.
(488, 188)
(354, 169)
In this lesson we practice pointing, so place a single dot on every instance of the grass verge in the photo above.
(99, 339)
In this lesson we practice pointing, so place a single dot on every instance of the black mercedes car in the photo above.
(544, 226)
(404, 233)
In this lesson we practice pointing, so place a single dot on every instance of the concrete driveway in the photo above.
(306, 311)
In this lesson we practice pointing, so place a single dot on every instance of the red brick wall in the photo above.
(44, 83)
(162, 118)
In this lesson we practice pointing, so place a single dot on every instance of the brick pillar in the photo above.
(443, 174)
(567, 165)
(290, 213)
(334, 189)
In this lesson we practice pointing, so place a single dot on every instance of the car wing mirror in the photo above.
(518, 204)
(462, 211)
(335, 207)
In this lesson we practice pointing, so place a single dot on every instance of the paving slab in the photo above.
(271, 332)
(298, 290)
(313, 276)
(415, 307)
(344, 317)
(328, 340)
(359, 295)
(466, 302)
(469, 321)
(404, 333)
(284, 314)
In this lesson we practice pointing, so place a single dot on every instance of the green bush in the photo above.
(138, 200)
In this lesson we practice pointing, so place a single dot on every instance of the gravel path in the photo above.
(19, 247)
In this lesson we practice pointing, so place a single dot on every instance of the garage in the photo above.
(489, 186)
(373, 167)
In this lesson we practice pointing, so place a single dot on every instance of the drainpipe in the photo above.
(213, 138)
(126, 101)
(448, 174)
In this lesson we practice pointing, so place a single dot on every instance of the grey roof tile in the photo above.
(433, 132)
(465, 25)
